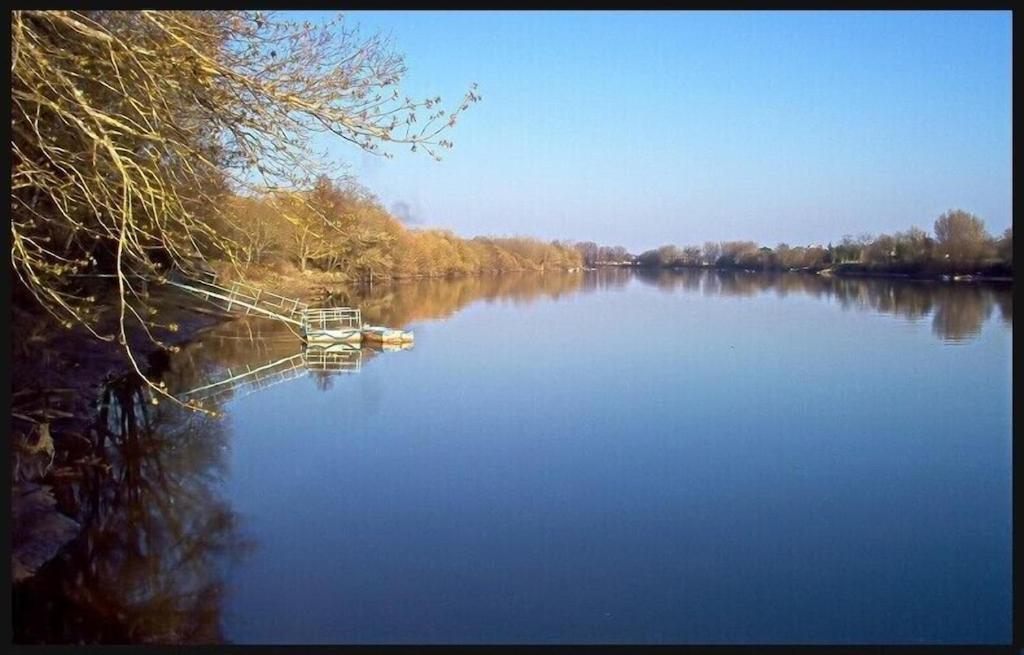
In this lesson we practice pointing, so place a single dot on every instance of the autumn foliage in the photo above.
(339, 227)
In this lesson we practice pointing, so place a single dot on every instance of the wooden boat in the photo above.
(375, 334)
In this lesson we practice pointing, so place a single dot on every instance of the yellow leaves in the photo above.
(127, 114)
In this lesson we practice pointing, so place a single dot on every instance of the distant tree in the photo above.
(711, 252)
(670, 255)
(762, 258)
(618, 254)
(589, 251)
(1005, 246)
(650, 258)
(815, 257)
(880, 251)
(785, 256)
(913, 246)
(737, 253)
(848, 250)
(691, 255)
(961, 237)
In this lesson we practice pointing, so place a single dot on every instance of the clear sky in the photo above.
(645, 128)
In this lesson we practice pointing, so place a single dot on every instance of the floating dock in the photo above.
(331, 325)
(344, 325)
(319, 326)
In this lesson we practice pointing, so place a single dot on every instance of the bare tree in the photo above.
(712, 251)
(589, 251)
(1005, 245)
(130, 127)
(961, 236)
(691, 255)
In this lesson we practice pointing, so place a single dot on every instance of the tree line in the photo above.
(960, 245)
(339, 227)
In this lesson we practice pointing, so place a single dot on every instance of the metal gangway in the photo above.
(319, 323)
(240, 297)
(246, 299)
(269, 374)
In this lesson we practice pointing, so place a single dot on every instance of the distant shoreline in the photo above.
(840, 270)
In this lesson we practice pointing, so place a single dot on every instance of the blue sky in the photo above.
(644, 128)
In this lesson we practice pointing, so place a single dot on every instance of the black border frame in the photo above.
(1017, 644)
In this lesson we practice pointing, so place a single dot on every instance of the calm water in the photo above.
(592, 457)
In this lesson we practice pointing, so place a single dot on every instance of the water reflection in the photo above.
(400, 304)
(254, 354)
(323, 362)
(958, 311)
(959, 316)
(147, 565)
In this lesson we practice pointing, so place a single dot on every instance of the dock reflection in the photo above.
(256, 354)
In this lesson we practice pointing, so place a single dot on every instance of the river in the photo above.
(596, 457)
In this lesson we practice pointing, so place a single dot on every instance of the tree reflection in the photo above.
(958, 311)
(1005, 302)
(606, 278)
(156, 534)
(397, 305)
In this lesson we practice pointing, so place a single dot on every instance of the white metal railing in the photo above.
(245, 298)
(331, 318)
